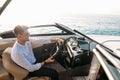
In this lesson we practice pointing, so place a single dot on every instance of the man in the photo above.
(22, 54)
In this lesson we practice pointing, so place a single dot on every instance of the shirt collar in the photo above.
(20, 44)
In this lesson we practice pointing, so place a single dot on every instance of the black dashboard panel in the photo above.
(78, 51)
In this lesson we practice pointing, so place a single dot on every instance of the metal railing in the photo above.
(112, 59)
(104, 56)
(103, 64)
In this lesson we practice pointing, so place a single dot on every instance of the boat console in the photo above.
(77, 49)
(75, 53)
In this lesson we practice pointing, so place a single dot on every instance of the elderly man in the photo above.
(22, 54)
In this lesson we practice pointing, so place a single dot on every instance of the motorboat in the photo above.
(81, 57)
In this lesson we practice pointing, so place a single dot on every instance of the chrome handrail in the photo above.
(105, 67)
(111, 58)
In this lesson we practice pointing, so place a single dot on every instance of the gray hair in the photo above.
(19, 29)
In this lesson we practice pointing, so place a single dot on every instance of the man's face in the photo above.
(25, 36)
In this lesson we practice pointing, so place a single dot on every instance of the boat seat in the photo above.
(17, 72)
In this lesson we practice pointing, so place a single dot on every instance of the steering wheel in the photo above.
(57, 49)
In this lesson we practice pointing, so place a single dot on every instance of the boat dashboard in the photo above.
(76, 52)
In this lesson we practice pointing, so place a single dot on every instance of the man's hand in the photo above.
(58, 40)
(49, 60)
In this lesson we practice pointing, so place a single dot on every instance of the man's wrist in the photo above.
(42, 63)
(45, 61)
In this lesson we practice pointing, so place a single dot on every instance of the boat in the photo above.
(81, 57)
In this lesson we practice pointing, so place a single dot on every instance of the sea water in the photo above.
(88, 24)
(94, 24)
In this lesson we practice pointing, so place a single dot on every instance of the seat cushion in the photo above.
(11, 67)
(16, 71)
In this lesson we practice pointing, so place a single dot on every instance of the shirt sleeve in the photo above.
(23, 62)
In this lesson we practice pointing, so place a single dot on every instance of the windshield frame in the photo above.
(4, 5)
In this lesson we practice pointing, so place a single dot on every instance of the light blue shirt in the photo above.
(24, 57)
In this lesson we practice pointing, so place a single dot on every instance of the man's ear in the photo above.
(19, 36)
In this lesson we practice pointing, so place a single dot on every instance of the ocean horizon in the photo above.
(87, 24)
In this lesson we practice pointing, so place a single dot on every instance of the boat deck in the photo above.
(95, 65)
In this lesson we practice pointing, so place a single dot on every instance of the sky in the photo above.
(22, 11)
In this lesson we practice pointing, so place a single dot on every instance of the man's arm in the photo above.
(59, 40)
(40, 41)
